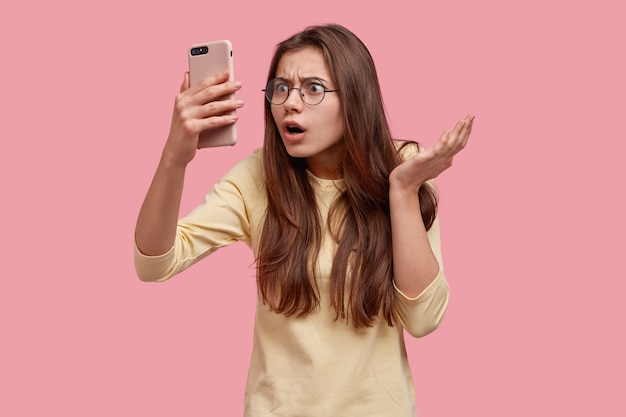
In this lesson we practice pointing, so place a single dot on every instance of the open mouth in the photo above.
(294, 129)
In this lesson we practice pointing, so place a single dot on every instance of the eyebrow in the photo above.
(302, 79)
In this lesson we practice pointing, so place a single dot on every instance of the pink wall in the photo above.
(531, 212)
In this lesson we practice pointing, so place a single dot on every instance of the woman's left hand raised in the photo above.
(429, 163)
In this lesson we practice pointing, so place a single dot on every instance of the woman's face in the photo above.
(314, 133)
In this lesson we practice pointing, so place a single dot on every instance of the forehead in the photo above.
(303, 63)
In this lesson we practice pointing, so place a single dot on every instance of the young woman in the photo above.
(342, 221)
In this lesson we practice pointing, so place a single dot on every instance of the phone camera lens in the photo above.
(202, 50)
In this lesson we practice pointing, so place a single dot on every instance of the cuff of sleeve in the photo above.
(423, 314)
(152, 267)
(431, 288)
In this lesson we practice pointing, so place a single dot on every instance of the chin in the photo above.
(296, 154)
(295, 151)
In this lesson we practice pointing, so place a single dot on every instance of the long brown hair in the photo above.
(361, 276)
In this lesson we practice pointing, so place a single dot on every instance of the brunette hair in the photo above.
(361, 277)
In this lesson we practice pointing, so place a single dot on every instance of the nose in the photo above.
(294, 102)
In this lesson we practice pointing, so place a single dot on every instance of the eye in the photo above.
(281, 87)
(314, 87)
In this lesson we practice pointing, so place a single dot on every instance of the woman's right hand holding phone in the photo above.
(197, 109)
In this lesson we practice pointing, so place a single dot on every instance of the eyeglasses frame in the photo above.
(299, 92)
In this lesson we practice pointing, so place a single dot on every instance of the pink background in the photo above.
(532, 212)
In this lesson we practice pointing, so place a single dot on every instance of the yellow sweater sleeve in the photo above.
(223, 219)
(423, 314)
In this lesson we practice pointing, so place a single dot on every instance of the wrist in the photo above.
(404, 197)
(176, 157)
(401, 189)
(172, 162)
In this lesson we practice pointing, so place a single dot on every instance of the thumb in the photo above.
(185, 84)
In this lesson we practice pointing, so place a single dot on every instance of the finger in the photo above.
(210, 81)
(442, 143)
(215, 122)
(452, 142)
(185, 84)
(460, 134)
(219, 107)
(465, 132)
(469, 129)
(448, 142)
(217, 92)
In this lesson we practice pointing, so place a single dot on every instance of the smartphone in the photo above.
(206, 59)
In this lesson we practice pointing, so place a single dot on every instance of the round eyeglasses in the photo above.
(312, 91)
